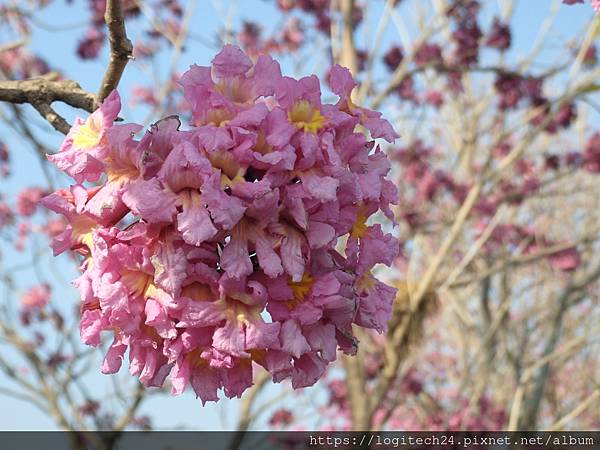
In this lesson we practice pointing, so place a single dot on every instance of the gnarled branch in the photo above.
(46, 89)
(41, 92)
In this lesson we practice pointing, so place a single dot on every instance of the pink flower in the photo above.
(91, 44)
(281, 417)
(233, 88)
(27, 201)
(83, 148)
(566, 260)
(428, 54)
(393, 57)
(35, 298)
(213, 250)
(6, 215)
(499, 36)
(434, 98)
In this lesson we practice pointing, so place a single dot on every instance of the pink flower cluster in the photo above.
(243, 239)
(36, 297)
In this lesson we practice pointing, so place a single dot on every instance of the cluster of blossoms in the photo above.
(467, 33)
(499, 36)
(426, 192)
(467, 38)
(289, 38)
(209, 249)
(18, 63)
(33, 302)
(423, 388)
(36, 297)
(94, 38)
(169, 13)
(319, 9)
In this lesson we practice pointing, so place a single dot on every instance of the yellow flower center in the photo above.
(257, 354)
(83, 230)
(231, 172)
(359, 229)
(87, 135)
(139, 283)
(87, 239)
(227, 181)
(306, 118)
(95, 304)
(262, 146)
(366, 282)
(235, 89)
(121, 174)
(300, 289)
(198, 292)
(218, 117)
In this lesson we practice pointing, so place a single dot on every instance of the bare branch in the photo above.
(121, 49)
(348, 53)
(12, 45)
(128, 415)
(46, 89)
(355, 382)
(52, 117)
(41, 92)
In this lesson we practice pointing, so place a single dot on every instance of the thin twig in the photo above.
(585, 404)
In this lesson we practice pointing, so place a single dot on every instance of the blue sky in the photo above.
(60, 46)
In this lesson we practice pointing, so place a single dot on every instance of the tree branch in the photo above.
(585, 404)
(121, 49)
(246, 416)
(46, 89)
(52, 117)
(348, 53)
(41, 92)
(528, 420)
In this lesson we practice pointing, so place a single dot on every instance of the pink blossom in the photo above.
(28, 199)
(81, 153)
(566, 260)
(213, 250)
(6, 215)
(434, 98)
(428, 54)
(499, 36)
(91, 44)
(281, 417)
(393, 57)
(36, 297)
